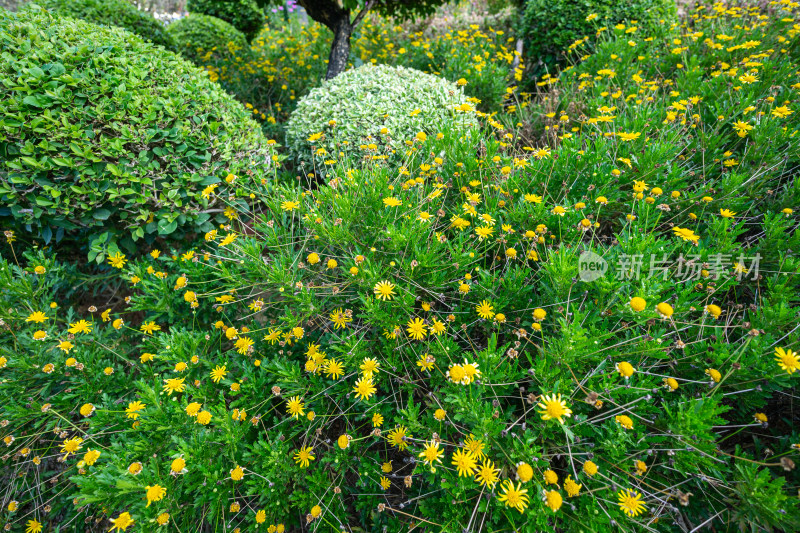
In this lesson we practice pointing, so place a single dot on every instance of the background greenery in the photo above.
(550, 27)
(119, 13)
(203, 38)
(244, 15)
(638, 138)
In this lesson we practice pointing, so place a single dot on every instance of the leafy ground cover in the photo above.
(579, 315)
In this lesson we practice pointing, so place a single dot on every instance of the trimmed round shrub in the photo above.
(201, 38)
(104, 132)
(373, 111)
(244, 15)
(549, 27)
(113, 13)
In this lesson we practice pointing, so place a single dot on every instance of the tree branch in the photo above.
(325, 12)
(361, 14)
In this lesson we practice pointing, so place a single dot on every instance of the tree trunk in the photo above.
(340, 49)
(337, 19)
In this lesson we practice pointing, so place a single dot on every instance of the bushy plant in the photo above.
(205, 40)
(549, 27)
(120, 13)
(482, 58)
(284, 63)
(572, 335)
(106, 134)
(285, 66)
(244, 15)
(373, 113)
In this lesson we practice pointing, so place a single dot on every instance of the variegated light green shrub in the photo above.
(373, 113)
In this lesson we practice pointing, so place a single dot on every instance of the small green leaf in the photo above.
(101, 214)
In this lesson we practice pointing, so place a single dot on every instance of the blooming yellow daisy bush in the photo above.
(575, 311)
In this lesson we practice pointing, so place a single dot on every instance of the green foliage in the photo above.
(450, 277)
(244, 15)
(105, 133)
(549, 27)
(407, 9)
(284, 63)
(120, 13)
(374, 105)
(203, 39)
(759, 502)
(496, 6)
(482, 57)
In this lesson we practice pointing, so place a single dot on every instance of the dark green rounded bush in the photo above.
(244, 15)
(105, 133)
(113, 13)
(549, 27)
(200, 38)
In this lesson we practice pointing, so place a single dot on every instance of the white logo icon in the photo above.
(591, 266)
